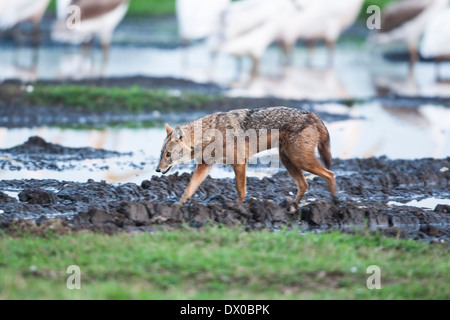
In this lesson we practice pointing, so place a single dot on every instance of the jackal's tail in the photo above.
(324, 146)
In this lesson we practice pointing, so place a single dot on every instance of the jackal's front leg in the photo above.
(200, 173)
(241, 180)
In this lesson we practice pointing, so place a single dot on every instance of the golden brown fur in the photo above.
(295, 133)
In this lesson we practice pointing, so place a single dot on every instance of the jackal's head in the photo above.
(176, 150)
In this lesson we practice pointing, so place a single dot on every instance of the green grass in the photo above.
(380, 3)
(223, 263)
(131, 99)
(151, 8)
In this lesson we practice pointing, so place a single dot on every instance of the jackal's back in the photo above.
(284, 119)
(288, 121)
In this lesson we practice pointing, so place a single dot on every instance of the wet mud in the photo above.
(37, 154)
(366, 188)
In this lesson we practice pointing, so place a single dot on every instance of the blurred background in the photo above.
(385, 74)
(292, 48)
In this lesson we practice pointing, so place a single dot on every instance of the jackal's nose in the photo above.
(158, 170)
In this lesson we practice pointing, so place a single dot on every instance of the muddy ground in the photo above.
(366, 186)
(37, 154)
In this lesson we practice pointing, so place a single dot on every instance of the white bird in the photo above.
(18, 11)
(12, 13)
(98, 19)
(318, 20)
(248, 27)
(405, 21)
(198, 19)
(436, 39)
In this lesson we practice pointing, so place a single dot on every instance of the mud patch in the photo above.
(365, 188)
(37, 154)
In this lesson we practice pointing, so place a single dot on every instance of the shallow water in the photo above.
(356, 72)
(375, 130)
(429, 203)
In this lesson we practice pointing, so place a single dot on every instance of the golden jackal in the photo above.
(295, 133)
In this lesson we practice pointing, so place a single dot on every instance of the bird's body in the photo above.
(405, 22)
(18, 11)
(436, 40)
(198, 19)
(98, 18)
(319, 20)
(248, 27)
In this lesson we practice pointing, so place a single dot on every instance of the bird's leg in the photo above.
(84, 49)
(17, 36)
(438, 63)
(105, 57)
(239, 67)
(331, 45)
(287, 49)
(255, 66)
(413, 56)
(212, 65)
(184, 52)
(310, 47)
(16, 33)
(36, 42)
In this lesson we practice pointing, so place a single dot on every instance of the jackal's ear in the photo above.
(179, 134)
(169, 130)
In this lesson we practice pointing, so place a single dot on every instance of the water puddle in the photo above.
(356, 73)
(429, 203)
(12, 194)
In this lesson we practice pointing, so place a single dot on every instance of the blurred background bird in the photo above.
(319, 20)
(255, 30)
(97, 19)
(436, 40)
(12, 13)
(248, 27)
(405, 22)
(199, 19)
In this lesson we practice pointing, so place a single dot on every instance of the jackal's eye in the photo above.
(168, 154)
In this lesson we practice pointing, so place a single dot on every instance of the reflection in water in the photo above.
(429, 203)
(77, 67)
(22, 64)
(305, 83)
(396, 133)
(375, 131)
(351, 76)
(15, 71)
(415, 84)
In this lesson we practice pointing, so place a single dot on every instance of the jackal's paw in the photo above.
(335, 200)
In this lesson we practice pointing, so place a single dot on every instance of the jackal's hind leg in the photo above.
(297, 175)
(200, 173)
(315, 167)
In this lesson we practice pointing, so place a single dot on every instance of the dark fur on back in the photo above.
(281, 118)
(290, 121)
